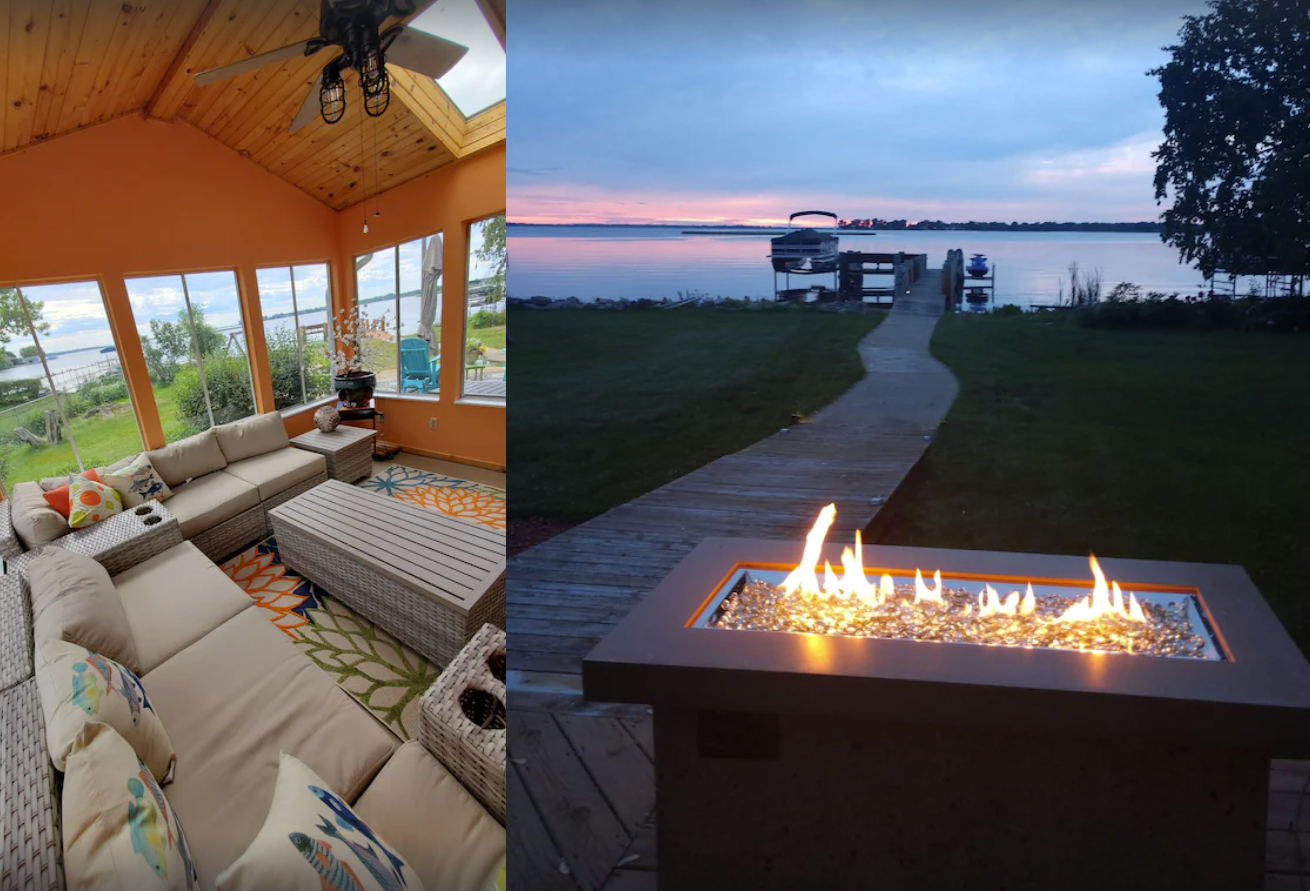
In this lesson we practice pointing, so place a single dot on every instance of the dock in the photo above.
(581, 777)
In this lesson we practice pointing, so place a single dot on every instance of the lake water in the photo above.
(655, 262)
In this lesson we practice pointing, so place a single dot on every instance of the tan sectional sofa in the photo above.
(223, 483)
(233, 691)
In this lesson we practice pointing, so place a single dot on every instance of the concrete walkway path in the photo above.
(581, 777)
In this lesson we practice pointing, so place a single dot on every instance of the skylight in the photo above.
(478, 81)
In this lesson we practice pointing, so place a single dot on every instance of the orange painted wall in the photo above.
(445, 201)
(141, 197)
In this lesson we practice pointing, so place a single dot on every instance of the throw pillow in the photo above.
(92, 502)
(58, 497)
(312, 840)
(74, 600)
(120, 833)
(78, 687)
(139, 482)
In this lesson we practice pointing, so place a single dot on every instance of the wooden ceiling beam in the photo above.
(171, 85)
(485, 129)
(429, 103)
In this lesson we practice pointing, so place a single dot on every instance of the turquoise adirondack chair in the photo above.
(416, 372)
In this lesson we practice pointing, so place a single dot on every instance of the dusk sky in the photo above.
(695, 111)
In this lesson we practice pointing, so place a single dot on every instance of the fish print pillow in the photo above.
(120, 833)
(90, 502)
(138, 483)
(79, 687)
(312, 841)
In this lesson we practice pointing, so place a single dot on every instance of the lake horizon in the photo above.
(657, 262)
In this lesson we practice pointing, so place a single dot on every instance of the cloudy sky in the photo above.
(690, 110)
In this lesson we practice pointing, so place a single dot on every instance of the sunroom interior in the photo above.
(213, 601)
(186, 261)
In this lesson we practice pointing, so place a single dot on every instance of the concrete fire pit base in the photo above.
(757, 801)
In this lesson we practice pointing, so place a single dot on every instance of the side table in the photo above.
(348, 450)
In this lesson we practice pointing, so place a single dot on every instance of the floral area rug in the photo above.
(384, 675)
(454, 497)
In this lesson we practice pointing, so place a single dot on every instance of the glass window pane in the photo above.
(375, 294)
(170, 341)
(486, 340)
(216, 320)
(294, 312)
(420, 270)
(83, 360)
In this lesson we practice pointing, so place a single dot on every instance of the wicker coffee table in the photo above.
(348, 450)
(430, 580)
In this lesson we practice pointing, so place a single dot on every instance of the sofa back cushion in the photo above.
(79, 687)
(188, 458)
(74, 600)
(252, 436)
(120, 832)
(35, 521)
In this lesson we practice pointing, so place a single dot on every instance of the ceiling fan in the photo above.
(355, 27)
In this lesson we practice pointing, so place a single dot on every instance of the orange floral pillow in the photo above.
(58, 498)
(90, 502)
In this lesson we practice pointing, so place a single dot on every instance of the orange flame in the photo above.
(1105, 600)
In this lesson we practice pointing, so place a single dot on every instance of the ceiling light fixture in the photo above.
(332, 95)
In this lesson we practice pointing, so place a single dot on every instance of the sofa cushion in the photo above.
(120, 832)
(174, 599)
(252, 436)
(188, 458)
(207, 501)
(35, 521)
(275, 472)
(232, 701)
(138, 481)
(309, 834)
(433, 822)
(74, 600)
(79, 687)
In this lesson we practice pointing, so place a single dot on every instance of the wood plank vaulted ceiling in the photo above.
(69, 64)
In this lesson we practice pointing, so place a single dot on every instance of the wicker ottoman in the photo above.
(15, 634)
(10, 546)
(462, 718)
(348, 450)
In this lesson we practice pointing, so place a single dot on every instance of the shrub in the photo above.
(284, 366)
(229, 391)
(486, 319)
(16, 392)
(1008, 309)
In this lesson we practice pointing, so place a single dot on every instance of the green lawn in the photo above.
(1171, 446)
(609, 405)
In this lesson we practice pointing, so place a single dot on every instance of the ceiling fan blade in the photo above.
(420, 52)
(309, 108)
(273, 57)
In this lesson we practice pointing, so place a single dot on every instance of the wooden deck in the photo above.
(581, 782)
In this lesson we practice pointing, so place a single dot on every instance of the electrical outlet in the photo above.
(432, 423)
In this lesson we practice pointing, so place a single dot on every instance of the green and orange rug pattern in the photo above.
(384, 675)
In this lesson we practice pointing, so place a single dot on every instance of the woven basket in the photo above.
(462, 718)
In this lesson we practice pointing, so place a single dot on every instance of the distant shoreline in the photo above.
(1138, 228)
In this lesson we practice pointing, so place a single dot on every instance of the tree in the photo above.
(28, 352)
(170, 344)
(12, 321)
(1236, 154)
(492, 251)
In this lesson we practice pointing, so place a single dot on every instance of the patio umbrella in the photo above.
(430, 303)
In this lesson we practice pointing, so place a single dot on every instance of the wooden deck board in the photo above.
(587, 767)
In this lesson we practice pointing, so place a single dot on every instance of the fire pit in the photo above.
(956, 719)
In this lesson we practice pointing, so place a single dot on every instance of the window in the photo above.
(485, 334)
(478, 80)
(398, 294)
(294, 301)
(72, 411)
(195, 349)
